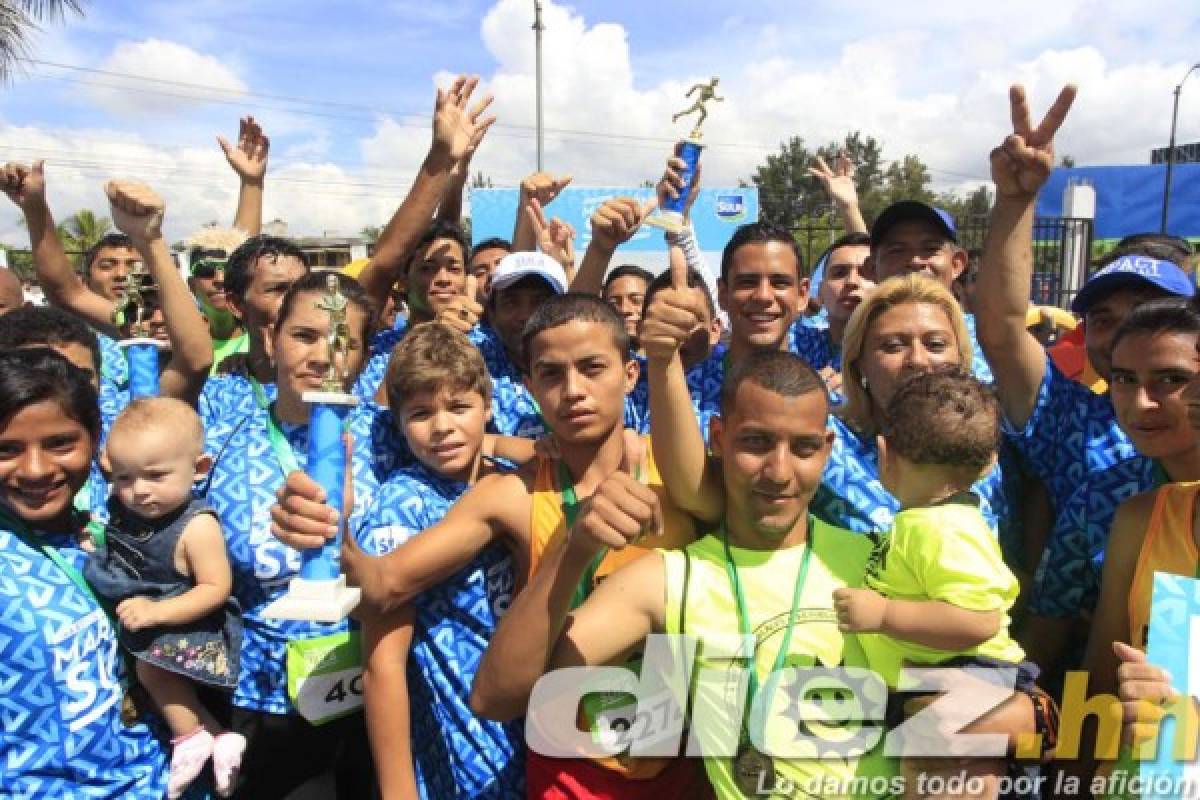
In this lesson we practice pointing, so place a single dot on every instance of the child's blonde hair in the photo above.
(165, 416)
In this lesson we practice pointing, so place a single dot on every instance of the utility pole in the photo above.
(1171, 150)
(537, 30)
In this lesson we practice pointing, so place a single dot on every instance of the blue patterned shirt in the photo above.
(60, 688)
(113, 366)
(514, 411)
(851, 496)
(242, 491)
(1073, 444)
(226, 397)
(456, 753)
(704, 382)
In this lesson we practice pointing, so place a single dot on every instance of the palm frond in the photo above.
(17, 19)
(47, 10)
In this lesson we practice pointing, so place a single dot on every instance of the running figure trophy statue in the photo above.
(320, 593)
(137, 297)
(670, 216)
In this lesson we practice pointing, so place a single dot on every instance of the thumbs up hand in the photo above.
(463, 312)
(621, 511)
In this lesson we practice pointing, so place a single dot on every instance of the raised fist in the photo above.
(137, 211)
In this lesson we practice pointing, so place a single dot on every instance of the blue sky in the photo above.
(920, 76)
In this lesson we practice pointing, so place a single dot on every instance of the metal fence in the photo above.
(1061, 252)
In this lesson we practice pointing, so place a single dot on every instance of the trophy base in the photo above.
(330, 398)
(669, 221)
(315, 601)
(143, 340)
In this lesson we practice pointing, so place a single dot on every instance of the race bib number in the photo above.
(617, 723)
(324, 676)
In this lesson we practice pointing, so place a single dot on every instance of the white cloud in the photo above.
(940, 96)
(163, 61)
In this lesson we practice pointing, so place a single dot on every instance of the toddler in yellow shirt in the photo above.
(937, 589)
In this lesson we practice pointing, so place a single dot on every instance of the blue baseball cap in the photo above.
(906, 210)
(1133, 272)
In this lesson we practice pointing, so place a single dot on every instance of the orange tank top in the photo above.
(1168, 547)
(548, 525)
(549, 521)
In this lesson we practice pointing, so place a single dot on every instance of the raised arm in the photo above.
(249, 161)
(839, 183)
(541, 187)
(26, 186)
(1020, 166)
(555, 238)
(454, 126)
(675, 433)
(613, 223)
(538, 632)
(450, 206)
(137, 211)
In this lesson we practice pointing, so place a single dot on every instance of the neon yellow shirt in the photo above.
(768, 579)
(224, 348)
(945, 552)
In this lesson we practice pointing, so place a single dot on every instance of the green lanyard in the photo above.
(744, 618)
(35, 542)
(570, 508)
(279, 443)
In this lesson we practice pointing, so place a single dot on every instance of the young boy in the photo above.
(938, 591)
(440, 393)
(578, 368)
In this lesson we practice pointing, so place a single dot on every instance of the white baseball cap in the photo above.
(515, 266)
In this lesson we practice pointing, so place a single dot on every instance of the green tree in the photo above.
(866, 155)
(18, 18)
(371, 233)
(80, 231)
(19, 261)
(907, 179)
(784, 185)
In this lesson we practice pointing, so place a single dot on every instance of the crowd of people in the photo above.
(554, 459)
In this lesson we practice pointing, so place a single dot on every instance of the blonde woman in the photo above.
(909, 324)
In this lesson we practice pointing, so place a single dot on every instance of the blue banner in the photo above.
(716, 215)
(1129, 198)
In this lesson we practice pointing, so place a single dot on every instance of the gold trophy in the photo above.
(670, 216)
(320, 593)
(132, 316)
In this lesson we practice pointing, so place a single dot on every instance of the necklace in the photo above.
(750, 764)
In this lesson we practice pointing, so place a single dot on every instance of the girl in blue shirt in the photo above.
(60, 665)
(287, 754)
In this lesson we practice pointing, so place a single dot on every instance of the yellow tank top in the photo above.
(1168, 547)
(699, 597)
(548, 526)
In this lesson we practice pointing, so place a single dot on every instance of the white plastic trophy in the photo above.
(320, 593)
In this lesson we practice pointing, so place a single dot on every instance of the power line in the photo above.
(372, 113)
(369, 112)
